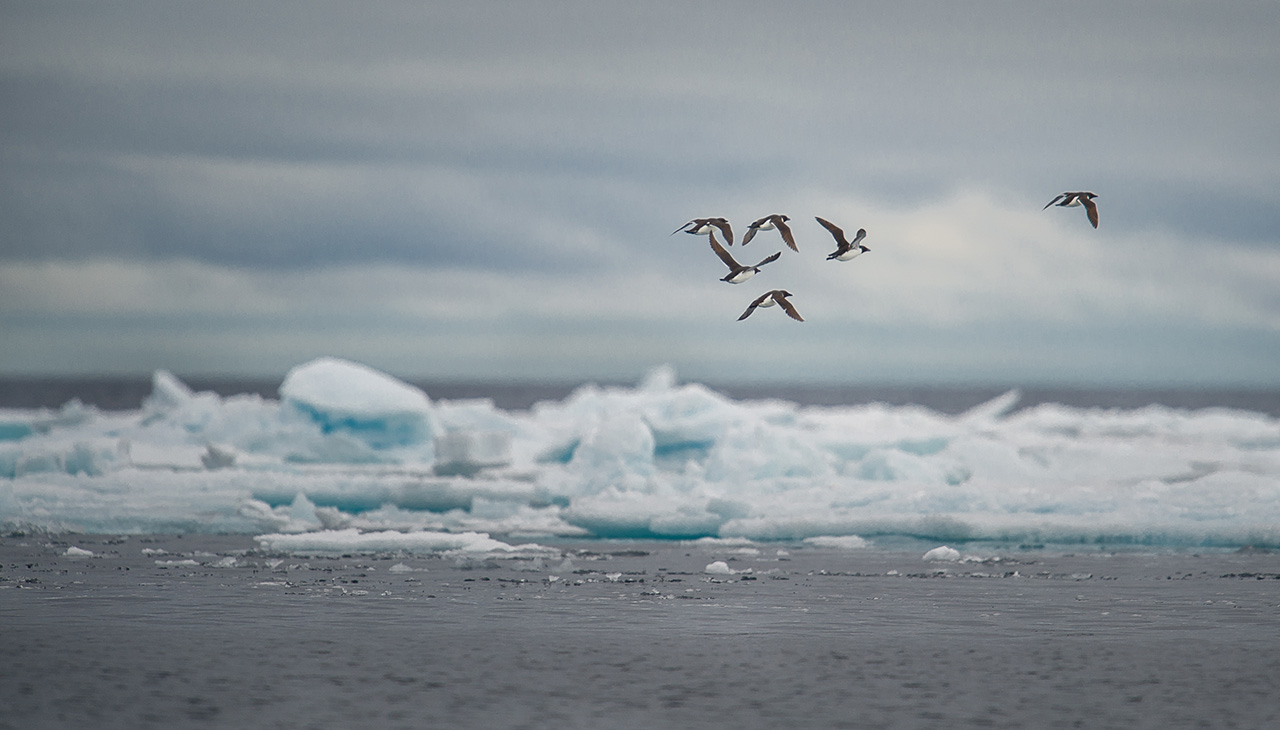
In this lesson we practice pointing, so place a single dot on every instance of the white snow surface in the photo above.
(842, 542)
(943, 554)
(719, 567)
(349, 451)
(391, 541)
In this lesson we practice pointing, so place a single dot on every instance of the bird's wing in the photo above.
(681, 228)
(1092, 209)
(1051, 202)
(788, 308)
(835, 231)
(724, 227)
(767, 260)
(787, 236)
(755, 304)
(862, 233)
(750, 234)
(724, 255)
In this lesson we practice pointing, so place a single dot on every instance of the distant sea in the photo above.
(127, 393)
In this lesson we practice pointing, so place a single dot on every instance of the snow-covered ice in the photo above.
(943, 554)
(350, 457)
(719, 567)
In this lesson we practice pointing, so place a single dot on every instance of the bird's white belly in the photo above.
(741, 276)
(852, 253)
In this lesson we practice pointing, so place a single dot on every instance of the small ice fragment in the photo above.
(842, 542)
(943, 553)
(399, 568)
(719, 567)
(75, 552)
(227, 562)
(892, 572)
(218, 457)
(613, 577)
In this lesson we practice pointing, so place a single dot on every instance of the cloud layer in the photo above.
(489, 188)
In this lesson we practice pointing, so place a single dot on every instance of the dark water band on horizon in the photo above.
(127, 393)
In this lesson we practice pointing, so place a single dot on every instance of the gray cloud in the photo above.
(905, 102)
(565, 140)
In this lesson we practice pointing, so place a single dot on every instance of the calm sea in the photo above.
(126, 393)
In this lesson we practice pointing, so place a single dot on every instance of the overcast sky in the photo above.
(485, 190)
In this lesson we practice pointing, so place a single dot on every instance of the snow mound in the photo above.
(943, 554)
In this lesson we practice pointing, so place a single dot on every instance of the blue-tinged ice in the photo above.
(349, 451)
(347, 397)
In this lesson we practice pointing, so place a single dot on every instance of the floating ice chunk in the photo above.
(636, 513)
(942, 553)
(723, 542)
(467, 452)
(302, 515)
(168, 394)
(179, 457)
(352, 398)
(993, 409)
(353, 541)
(658, 379)
(92, 457)
(618, 450)
(843, 542)
(719, 567)
(16, 424)
(15, 427)
(218, 457)
(76, 552)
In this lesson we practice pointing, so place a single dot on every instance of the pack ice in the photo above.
(349, 451)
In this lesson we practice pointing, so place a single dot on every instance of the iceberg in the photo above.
(347, 397)
(348, 448)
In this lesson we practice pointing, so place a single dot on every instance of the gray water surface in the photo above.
(216, 633)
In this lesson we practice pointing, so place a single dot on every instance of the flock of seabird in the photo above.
(845, 249)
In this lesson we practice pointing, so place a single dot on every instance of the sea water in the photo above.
(348, 549)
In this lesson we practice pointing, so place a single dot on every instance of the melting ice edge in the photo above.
(350, 458)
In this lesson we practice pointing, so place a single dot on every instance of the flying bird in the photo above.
(768, 223)
(737, 272)
(845, 249)
(770, 298)
(1071, 200)
(699, 226)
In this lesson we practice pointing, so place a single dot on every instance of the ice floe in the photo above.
(350, 458)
